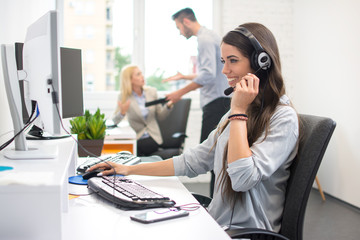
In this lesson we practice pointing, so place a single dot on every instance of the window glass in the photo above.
(88, 56)
(89, 32)
(166, 51)
(104, 30)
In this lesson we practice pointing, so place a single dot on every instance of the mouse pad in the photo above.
(78, 179)
(4, 168)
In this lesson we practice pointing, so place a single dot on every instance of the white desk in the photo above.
(32, 206)
(90, 217)
(42, 211)
(122, 138)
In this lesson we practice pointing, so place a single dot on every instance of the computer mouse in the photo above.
(91, 174)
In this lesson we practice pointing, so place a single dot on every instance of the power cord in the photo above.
(27, 124)
(186, 207)
(56, 102)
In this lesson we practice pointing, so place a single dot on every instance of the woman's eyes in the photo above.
(231, 61)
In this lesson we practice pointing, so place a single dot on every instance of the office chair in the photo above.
(173, 130)
(317, 132)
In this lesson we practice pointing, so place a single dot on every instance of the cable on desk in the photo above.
(27, 124)
(56, 102)
(186, 207)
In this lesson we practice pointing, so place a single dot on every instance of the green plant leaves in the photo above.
(89, 126)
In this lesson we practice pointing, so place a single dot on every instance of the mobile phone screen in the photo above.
(160, 215)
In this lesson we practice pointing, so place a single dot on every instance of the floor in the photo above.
(324, 220)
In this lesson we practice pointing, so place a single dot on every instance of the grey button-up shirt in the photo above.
(209, 67)
(261, 177)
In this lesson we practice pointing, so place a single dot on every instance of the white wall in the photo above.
(15, 16)
(327, 82)
(319, 47)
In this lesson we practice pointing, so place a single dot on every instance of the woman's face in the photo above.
(235, 64)
(137, 78)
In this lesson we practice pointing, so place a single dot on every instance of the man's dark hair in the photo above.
(185, 13)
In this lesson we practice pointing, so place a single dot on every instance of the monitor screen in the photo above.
(71, 82)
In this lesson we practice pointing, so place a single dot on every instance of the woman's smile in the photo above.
(232, 80)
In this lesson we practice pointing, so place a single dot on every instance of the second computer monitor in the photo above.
(71, 82)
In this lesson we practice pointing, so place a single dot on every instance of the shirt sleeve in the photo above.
(206, 62)
(197, 160)
(117, 116)
(269, 154)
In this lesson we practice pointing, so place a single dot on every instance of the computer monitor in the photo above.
(41, 64)
(41, 74)
(71, 82)
(71, 88)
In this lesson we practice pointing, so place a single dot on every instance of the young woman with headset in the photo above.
(255, 142)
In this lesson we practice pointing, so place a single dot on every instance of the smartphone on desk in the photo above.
(160, 215)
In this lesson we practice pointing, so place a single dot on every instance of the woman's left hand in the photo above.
(244, 93)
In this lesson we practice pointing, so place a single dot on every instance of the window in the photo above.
(88, 56)
(89, 32)
(108, 13)
(78, 32)
(89, 8)
(166, 51)
(109, 39)
(106, 29)
(89, 82)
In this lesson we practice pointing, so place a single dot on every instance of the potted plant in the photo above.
(90, 130)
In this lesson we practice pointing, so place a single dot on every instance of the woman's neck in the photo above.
(138, 91)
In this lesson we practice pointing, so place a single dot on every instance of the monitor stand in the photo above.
(11, 80)
(37, 133)
(38, 153)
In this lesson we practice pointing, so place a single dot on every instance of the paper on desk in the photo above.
(26, 178)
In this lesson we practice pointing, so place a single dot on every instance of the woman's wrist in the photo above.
(237, 111)
(239, 116)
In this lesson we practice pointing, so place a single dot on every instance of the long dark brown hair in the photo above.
(271, 89)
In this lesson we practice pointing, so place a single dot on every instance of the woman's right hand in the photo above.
(245, 92)
(110, 168)
(124, 106)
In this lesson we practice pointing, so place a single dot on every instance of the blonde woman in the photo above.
(131, 103)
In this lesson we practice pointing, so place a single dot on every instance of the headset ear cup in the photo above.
(263, 60)
(254, 61)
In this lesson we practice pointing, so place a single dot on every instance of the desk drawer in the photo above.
(117, 147)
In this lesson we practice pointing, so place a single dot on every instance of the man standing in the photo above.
(209, 77)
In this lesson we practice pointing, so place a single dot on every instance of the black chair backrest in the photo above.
(317, 132)
(175, 122)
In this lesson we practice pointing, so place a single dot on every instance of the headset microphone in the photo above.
(228, 91)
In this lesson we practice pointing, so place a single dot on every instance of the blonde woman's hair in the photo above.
(125, 81)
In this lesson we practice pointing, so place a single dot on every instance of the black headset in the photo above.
(259, 58)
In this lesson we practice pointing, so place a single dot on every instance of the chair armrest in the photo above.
(179, 135)
(254, 233)
(203, 200)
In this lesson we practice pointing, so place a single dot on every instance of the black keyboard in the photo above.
(123, 157)
(128, 194)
